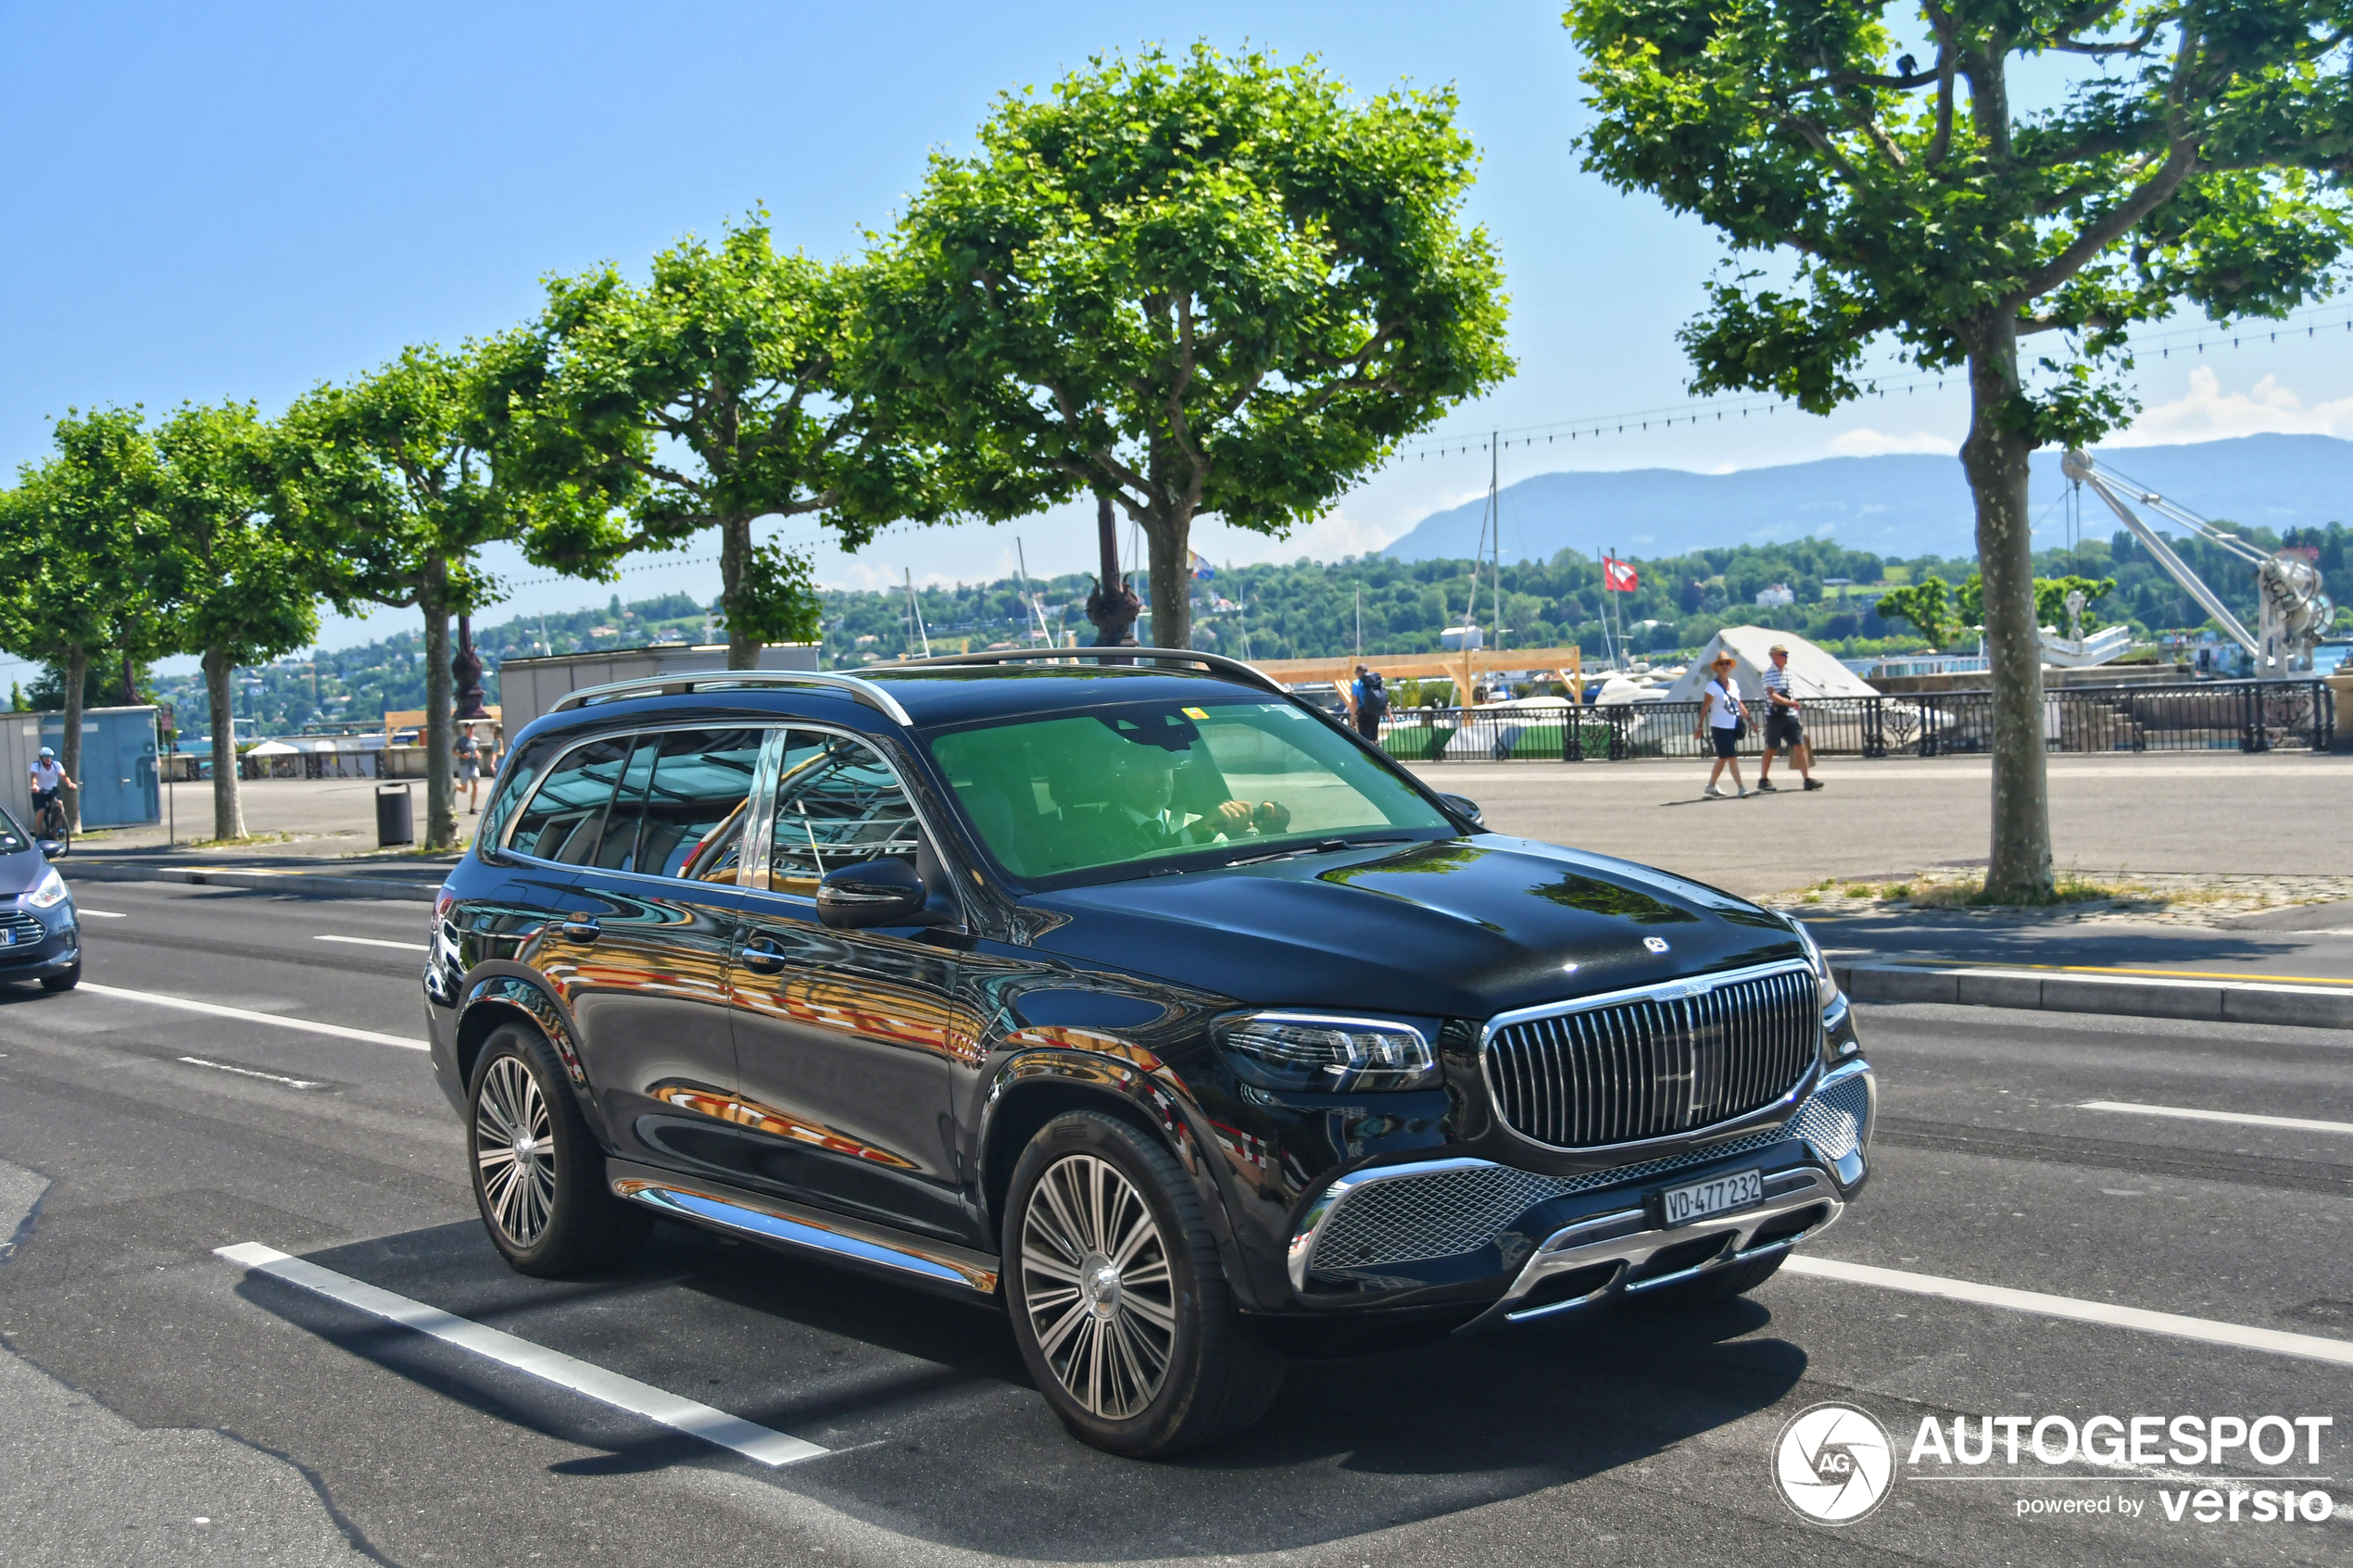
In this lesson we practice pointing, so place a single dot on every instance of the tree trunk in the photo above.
(441, 732)
(228, 800)
(1168, 542)
(130, 684)
(77, 674)
(735, 553)
(2019, 868)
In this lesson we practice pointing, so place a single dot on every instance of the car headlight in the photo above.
(51, 892)
(1284, 1050)
(1823, 985)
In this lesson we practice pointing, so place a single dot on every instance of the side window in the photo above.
(513, 783)
(838, 803)
(617, 851)
(695, 797)
(566, 817)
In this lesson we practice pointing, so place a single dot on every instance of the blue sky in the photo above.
(243, 200)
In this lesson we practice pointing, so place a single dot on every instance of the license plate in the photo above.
(1700, 1200)
(8, 937)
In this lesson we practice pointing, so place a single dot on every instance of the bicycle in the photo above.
(52, 825)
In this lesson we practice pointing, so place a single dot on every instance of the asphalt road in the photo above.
(166, 1405)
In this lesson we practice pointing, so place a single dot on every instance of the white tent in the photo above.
(1812, 670)
(273, 748)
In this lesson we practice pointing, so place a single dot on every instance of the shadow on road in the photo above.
(939, 1437)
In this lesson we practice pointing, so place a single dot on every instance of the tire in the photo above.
(1712, 1288)
(544, 1202)
(65, 982)
(1117, 1299)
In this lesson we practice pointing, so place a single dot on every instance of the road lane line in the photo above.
(716, 1426)
(2247, 1118)
(2102, 972)
(2309, 1346)
(253, 1072)
(102, 914)
(376, 942)
(215, 1009)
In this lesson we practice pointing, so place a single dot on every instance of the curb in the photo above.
(301, 883)
(2249, 1001)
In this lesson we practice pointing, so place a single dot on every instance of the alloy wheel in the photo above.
(515, 1149)
(1097, 1287)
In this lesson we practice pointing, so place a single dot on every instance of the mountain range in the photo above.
(1899, 504)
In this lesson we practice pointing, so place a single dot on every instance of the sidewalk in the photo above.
(2292, 965)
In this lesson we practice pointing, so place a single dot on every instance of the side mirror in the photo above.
(885, 892)
(1467, 809)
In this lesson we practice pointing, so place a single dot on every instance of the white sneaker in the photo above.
(1744, 794)
(1712, 792)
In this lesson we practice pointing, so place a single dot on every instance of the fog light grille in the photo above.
(1834, 1121)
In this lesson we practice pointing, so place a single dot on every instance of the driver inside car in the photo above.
(1141, 817)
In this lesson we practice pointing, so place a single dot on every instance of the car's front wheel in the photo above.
(1118, 1301)
(540, 1177)
(65, 982)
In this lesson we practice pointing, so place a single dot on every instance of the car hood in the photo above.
(1465, 927)
(21, 872)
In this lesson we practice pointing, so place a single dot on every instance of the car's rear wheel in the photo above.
(1118, 1301)
(1715, 1286)
(540, 1177)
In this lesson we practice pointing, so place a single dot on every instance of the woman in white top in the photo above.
(1720, 718)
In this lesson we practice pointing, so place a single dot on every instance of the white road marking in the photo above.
(2309, 1346)
(747, 1438)
(102, 914)
(2245, 1119)
(253, 1072)
(376, 942)
(215, 1009)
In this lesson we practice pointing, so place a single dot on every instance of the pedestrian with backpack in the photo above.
(1370, 695)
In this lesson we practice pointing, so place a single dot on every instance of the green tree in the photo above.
(709, 397)
(77, 548)
(392, 486)
(2188, 152)
(1926, 603)
(232, 577)
(1197, 284)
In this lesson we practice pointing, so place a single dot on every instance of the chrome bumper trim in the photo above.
(1623, 1237)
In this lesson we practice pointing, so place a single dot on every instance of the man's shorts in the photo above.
(1782, 730)
(41, 797)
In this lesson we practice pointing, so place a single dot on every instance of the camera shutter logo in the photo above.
(1834, 1464)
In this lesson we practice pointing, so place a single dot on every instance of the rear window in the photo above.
(565, 820)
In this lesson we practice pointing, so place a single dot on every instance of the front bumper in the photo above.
(40, 943)
(1508, 1245)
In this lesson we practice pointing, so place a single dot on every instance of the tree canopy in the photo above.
(1200, 283)
(711, 396)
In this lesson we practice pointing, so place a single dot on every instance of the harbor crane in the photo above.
(2295, 612)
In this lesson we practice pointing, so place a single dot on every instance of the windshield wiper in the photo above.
(1328, 847)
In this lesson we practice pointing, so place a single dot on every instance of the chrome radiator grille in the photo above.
(1658, 1063)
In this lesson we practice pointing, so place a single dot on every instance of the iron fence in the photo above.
(2201, 716)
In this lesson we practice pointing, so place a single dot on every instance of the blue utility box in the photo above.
(118, 772)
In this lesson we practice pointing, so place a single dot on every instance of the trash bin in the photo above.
(395, 817)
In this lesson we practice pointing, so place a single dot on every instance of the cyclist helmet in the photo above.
(48, 754)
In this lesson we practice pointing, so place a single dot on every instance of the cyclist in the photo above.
(49, 785)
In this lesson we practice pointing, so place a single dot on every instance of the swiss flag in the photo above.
(1619, 576)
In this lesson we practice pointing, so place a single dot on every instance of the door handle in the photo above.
(762, 957)
(582, 928)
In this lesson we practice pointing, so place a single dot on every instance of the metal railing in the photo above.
(2200, 716)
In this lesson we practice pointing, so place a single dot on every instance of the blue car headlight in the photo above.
(1292, 1050)
(50, 893)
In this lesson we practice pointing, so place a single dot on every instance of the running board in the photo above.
(796, 1228)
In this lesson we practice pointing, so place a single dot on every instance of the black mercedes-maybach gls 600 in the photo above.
(1133, 992)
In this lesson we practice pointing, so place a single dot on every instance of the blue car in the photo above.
(40, 939)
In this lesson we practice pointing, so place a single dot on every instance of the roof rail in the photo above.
(1209, 663)
(866, 692)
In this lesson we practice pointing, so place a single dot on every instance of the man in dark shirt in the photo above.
(1783, 730)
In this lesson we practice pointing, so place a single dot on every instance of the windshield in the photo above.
(1143, 785)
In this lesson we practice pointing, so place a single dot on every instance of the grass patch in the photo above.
(1861, 890)
(1812, 898)
(247, 842)
(2066, 888)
